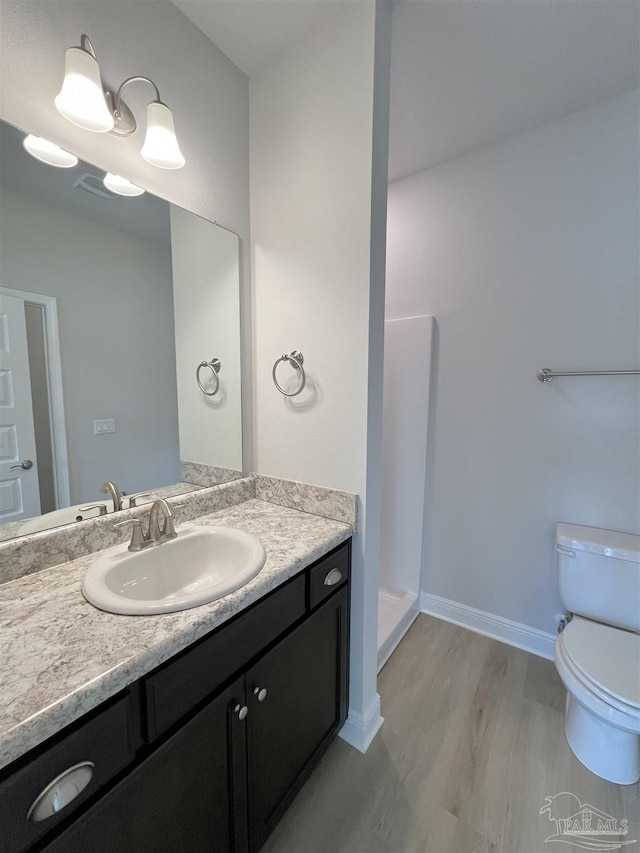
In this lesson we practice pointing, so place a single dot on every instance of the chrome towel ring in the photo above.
(296, 360)
(214, 367)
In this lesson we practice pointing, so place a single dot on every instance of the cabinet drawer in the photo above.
(329, 574)
(184, 682)
(102, 747)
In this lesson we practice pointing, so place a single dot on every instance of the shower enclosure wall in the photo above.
(407, 371)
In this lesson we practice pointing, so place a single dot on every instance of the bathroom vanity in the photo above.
(225, 711)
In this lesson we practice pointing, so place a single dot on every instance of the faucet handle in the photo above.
(133, 499)
(169, 528)
(138, 539)
(101, 507)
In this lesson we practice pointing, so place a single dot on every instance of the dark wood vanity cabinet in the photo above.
(178, 800)
(229, 729)
(297, 697)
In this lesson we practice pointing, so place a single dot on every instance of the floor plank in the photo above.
(472, 744)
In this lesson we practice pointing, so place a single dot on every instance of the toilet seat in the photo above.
(600, 666)
(607, 657)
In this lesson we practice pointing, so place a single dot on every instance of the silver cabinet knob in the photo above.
(333, 577)
(25, 465)
(61, 791)
(241, 711)
(260, 692)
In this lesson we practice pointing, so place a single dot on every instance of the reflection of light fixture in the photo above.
(49, 153)
(85, 101)
(52, 155)
(121, 186)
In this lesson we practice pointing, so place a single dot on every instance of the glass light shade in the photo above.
(81, 99)
(49, 153)
(121, 186)
(160, 144)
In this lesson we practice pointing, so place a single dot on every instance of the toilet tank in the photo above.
(599, 574)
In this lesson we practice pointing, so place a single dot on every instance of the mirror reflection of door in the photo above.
(19, 489)
(34, 468)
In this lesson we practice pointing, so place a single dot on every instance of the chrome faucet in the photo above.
(168, 530)
(155, 534)
(111, 489)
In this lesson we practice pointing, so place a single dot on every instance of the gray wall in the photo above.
(115, 314)
(206, 92)
(34, 318)
(527, 254)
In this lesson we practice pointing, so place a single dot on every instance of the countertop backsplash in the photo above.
(38, 551)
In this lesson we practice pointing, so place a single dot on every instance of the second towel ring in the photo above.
(296, 360)
(214, 367)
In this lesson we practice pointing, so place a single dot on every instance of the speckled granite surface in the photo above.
(38, 551)
(330, 503)
(60, 657)
(207, 475)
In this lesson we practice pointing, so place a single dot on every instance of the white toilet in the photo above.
(598, 653)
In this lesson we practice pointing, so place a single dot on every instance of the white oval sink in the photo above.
(200, 565)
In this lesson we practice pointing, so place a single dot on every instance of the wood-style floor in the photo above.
(472, 744)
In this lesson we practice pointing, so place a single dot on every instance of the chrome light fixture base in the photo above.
(125, 122)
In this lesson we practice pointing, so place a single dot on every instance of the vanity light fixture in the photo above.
(121, 186)
(86, 102)
(160, 144)
(49, 153)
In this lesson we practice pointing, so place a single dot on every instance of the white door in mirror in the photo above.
(19, 489)
(201, 565)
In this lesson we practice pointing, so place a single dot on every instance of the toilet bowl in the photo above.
(598, 653)
(599, 666)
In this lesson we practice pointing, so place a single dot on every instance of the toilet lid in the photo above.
(609, 657)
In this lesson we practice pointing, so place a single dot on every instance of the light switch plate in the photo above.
(104, 425)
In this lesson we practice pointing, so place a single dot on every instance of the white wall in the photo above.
(314, 150)
(527, 253)
(106, 321)
(407, 372)
(207, 324)
(208, 95)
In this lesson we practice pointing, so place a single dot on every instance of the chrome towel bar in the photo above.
(546, 375)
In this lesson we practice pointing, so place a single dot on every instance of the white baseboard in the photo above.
(360, 729)
(497, 627)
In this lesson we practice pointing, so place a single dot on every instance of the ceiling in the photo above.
(464, 73)
(250, 32)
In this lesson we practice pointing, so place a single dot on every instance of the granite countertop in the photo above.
(60, 656)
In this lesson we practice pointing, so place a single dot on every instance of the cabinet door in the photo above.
(184, 797)
(297, 700)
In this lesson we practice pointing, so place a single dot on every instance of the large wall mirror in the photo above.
(119, 345)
